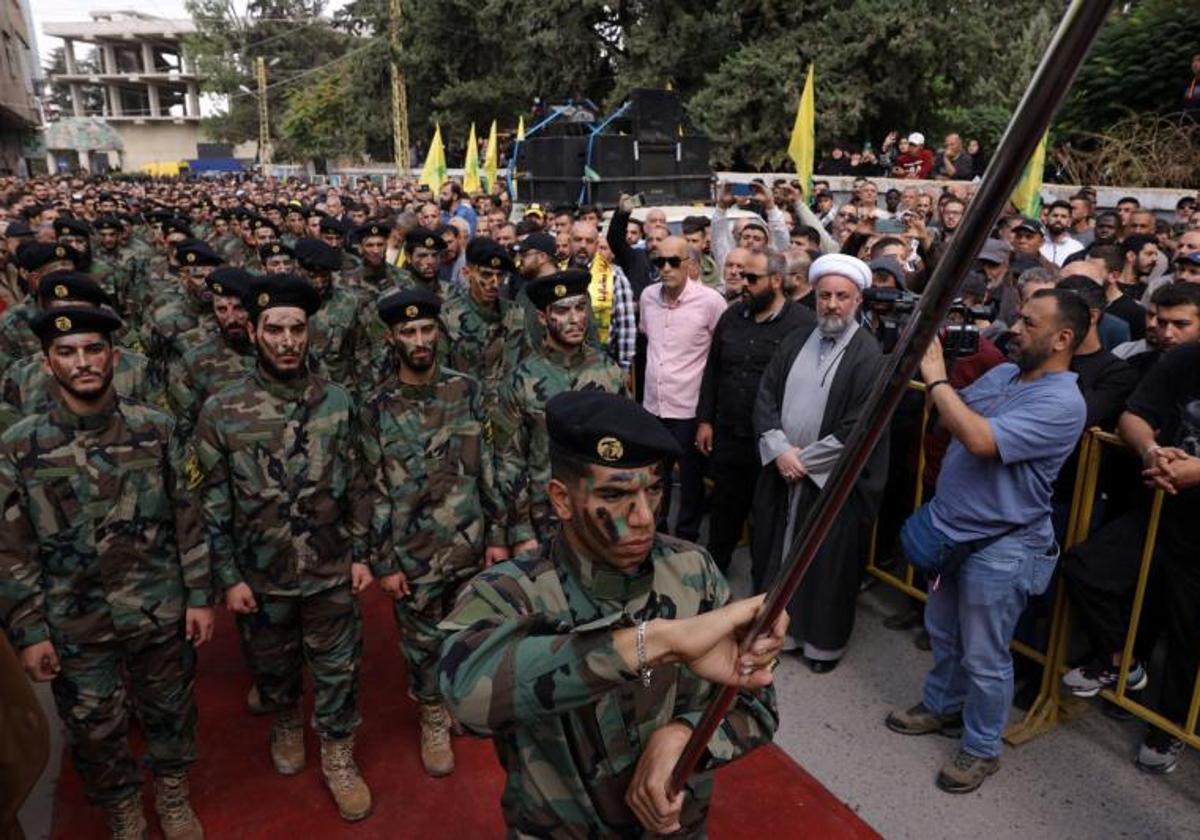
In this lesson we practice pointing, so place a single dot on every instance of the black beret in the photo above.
(329, 224)
(191, 252)
(72, 285)
(18, 227)
(408, 305)
(607, 429)
(230, 282)
(257, 222)
(543, 242)
(563, 284)
(108, 223)
(489, 253)
(67, 226)
(313, 253)
(274, 249)
(275, 290)
(295, 207)
(34, 255)
(420, 237)
(176, 224)
(372, 229)
(50, 324)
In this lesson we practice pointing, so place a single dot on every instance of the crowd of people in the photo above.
(521, 424)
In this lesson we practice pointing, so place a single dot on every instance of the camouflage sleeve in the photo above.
(511, 447)
(22, 603)
(149, 388)
(490, 500)
(182, 483)
(214, 496)
(503, 665)
(753, 718)
(370, 521)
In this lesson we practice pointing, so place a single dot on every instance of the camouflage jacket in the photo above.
(273, 464)
(17, 340)
(373, 281)
(176, 314)
(203, 369)
(28, 389)
(428, 503)
(522, 446)
(531, 663)
(487, 342)
(334, 336)
(88, 550)
(408, 280)
(232, 249)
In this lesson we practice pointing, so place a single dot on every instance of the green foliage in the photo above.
(1139, 64)
(60, 94)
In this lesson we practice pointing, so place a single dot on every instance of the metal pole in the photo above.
(1049, 86)
(399, 97)
(264, 129)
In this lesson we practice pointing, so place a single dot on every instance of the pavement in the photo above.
(1078, 781)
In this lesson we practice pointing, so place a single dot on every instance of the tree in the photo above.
(60, 94)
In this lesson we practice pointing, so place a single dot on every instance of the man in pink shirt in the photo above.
(678, 316)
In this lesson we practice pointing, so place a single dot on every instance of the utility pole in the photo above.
(399, 98)
(264, 129)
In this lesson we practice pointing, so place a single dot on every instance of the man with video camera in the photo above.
(985, 540)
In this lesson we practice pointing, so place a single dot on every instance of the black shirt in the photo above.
(737, 357)
(1105, 382)
(1129, 311)
(1169, 398)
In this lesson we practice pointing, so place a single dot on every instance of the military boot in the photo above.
(350, 792)
(175, 814)
(126, 820)
(287, 742)
(436, 752)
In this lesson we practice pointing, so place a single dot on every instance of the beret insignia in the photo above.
(495, 262)
(62, 323)
(60, 291)
(410, 311)
(610, 449)
(191, 257)
(559, 291)
(60, 252)
(218, 288)
(263, 299)
(429, 242)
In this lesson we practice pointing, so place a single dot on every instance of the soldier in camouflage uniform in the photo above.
(273, 459)
(333, 234)
(219, 361)
(231, 245)
(78, 234)
(94, 589)
(162, 268)
(427, 516)
(182, 315)
(422, 258)
(485, 334)
(335, 337)
(375, 276)
(112, 259)
(589, 662)
(276, 258)
(262, 232)
(564, 363)
(35, 260)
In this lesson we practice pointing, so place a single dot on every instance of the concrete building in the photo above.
(149, 91)
(18, 110)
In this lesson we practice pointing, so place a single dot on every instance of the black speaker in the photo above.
(612, 156)
(655, 160)
(657, 115)
(553, 157)
(694, 151)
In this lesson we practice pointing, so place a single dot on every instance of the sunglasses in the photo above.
(751, 278)
(674, 262)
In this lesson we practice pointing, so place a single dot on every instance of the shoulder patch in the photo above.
(193, 475)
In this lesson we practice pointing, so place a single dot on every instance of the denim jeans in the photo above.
(970, 618)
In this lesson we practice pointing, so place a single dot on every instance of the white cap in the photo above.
(843, 265)
(917, 138)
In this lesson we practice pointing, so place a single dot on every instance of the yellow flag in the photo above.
(1027, 197)
(802, 146)
(521, 127)
(491, 158)
(433, 173)
(471, 164)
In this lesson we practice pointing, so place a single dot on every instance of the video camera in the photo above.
(894, 307)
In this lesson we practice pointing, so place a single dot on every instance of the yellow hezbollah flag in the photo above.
(1027, 197)
(491, 158)
(471, 164)
(433, 173)
(802, 146)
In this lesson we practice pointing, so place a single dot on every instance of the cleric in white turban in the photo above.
(808, 401)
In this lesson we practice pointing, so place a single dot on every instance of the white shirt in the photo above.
(1057, 250)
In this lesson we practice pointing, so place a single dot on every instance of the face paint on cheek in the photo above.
(615, 528)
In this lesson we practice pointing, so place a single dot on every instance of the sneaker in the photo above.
(287, 743)
(1090, 680)
(1159, 753)
(174, 809)
(918, 720)
(965, 772)
(126, 821)
(350, 791)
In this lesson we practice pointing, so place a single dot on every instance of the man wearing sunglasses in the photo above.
(678, 317)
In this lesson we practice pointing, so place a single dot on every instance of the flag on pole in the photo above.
(471, 164)
(802, 146)
(521, 128)
(491, 158)
(1027, 197)
(433, 173)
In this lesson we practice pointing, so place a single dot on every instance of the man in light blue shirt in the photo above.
(1012, 430)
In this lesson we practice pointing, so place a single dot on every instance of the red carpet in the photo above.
(237, 794)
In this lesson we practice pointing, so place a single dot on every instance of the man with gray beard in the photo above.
(808, 401)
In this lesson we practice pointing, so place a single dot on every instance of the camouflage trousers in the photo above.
(323, 630)
(93, 692)
(420, 638)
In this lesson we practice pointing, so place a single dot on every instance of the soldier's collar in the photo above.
(568, 358)
(603, 582)
(288, 391)
(67, 419)
(487, 313)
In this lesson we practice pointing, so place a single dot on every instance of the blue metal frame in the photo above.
(557, 111)
(587, 162)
